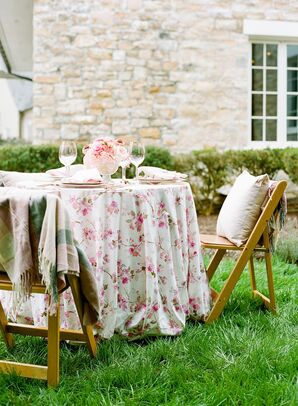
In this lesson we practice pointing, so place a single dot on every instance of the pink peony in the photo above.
(104, 153)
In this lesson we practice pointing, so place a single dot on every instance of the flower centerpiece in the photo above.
(104, 154)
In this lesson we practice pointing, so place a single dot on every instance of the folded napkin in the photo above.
(85, 176)
(153, 172)
(60, 172)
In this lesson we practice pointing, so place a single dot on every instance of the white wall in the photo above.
(9, 114)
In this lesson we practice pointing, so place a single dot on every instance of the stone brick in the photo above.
(83, 119)
(154, 89)
(104, 94)
(99, 54)
(46, 79)
(85, 41)
(116, 113)
(121, 127)
(119, 55)
(134, 4)
(150, 132)
(70, 132)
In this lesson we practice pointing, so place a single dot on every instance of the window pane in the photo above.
(257, 105)
(292, 105)
(292, 80)
(271, 80)
(257, 130)
(271, 105)
(292, 56)
(271, 55)
(292, 130)
(257, 54)
(257, 79)
(271, 130)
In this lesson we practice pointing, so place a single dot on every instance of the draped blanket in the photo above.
(37, 245)
(277, 220)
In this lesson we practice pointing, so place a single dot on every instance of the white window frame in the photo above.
(264, 32)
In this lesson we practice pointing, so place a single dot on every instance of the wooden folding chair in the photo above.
(221, 245)
(50, 373)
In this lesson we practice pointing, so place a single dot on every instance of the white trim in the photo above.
(281, 141)
(266, 29)
(271, 144)
(282, 94)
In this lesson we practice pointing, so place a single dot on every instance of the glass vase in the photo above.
(107, 169)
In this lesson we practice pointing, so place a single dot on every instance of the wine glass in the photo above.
(67, 155)
(124, 161)
(137, 155)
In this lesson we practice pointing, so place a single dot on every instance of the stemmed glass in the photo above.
(137, 155)
(67, 155)
(124, 162)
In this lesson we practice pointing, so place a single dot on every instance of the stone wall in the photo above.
(173, 72)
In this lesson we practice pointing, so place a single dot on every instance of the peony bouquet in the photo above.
(105, 154)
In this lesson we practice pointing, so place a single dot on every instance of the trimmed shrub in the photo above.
(39, 158)
(208, 171)
(28, 158)
(290, 159)
(257, 162)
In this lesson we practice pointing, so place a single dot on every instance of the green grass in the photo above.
(247, 357)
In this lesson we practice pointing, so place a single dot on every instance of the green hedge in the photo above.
(208, 169)
(39, 158)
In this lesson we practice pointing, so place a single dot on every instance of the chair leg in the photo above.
(268, 261)
(225, 293)
(87, 330)
(8, 337)
(217, 257)
(54, 348)
(252, 274)
(272, 305)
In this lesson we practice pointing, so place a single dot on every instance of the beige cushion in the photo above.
(242, 207)
(8, 178)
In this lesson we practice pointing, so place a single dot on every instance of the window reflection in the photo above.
(292, 130)
(271, 55)
(257, 79)
(292, 51)
(257, 105)
(257, 54)
(292, 81)
(257, 130)
(271, 126)
(271, 105)
(271, 80)
(292, 105)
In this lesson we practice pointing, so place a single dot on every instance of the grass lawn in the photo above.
(247, 357)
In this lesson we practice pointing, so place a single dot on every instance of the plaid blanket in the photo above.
(37, 244)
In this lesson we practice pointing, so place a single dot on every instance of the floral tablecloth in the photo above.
(143, 244)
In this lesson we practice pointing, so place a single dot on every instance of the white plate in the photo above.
(154, 180)
(86, 185)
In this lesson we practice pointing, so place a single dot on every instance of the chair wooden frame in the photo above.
(54, 334)
(222, 245)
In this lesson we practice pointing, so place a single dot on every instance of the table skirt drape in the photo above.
(143, 244)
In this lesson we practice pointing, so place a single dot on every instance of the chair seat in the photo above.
(4, 278)
(215, 241)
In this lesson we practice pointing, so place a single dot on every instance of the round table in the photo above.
(143, 243)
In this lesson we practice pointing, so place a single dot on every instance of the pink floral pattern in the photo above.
(143, 244)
